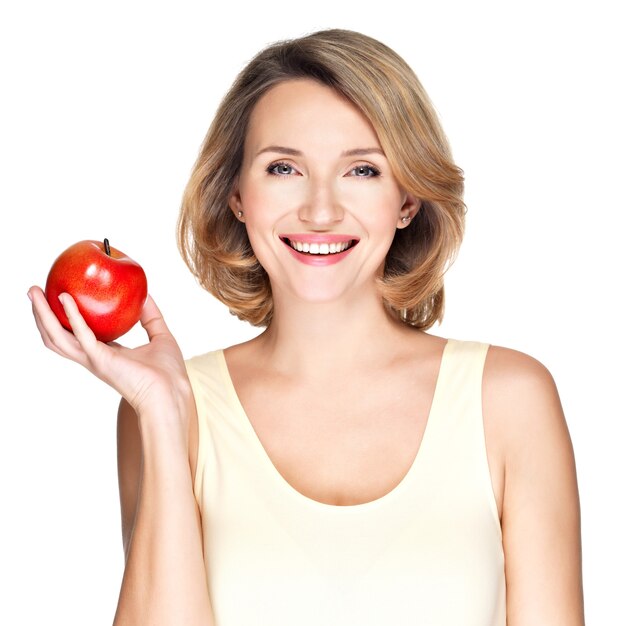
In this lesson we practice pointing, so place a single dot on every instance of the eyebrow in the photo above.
(294, 152)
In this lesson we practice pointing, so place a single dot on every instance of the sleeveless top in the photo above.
(427, 553)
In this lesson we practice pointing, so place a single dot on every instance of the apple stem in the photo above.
(107, 247)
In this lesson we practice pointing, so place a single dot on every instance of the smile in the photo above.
(319, 244)
(319, 249)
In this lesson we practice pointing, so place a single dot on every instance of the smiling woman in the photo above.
(325, 206)
(344, 466)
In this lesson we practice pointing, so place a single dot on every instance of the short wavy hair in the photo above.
(215, 245)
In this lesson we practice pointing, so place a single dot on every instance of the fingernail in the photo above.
(30, 297)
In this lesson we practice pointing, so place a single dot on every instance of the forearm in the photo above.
(164, 579)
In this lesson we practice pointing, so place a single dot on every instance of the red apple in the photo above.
(109, 288)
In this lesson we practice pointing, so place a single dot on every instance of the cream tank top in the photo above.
(427, 553)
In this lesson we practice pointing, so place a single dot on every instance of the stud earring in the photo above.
(406, 218)
(239, 214)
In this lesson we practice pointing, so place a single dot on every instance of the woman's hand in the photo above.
(141, 375)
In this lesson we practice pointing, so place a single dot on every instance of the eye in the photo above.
(280, 169)
(365, 171)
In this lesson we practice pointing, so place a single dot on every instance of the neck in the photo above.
(319, 341)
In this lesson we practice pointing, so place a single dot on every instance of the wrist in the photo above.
(168, 411)
(171, 396)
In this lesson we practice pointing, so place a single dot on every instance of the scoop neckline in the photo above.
(285, 485)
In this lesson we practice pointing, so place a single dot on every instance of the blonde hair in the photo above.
(214, 244)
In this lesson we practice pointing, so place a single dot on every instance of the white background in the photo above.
(104, 107)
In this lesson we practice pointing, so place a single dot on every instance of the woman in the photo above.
(344, 466)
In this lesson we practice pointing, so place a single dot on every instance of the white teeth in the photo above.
(319, 248)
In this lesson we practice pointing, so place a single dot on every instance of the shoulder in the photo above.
(523, 413)
(520, 393)
(514, 381)
(508, 365)
(203, 365)
(510, 376)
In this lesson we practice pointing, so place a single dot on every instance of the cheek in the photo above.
(262, 210)
(380, 212)
(271, 197)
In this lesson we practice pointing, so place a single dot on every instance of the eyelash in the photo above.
(375, 171)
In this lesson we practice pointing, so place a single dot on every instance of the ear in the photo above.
(234, 200)
(409, 210)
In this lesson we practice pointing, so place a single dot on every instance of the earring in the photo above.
(406, 218)
(240, 214)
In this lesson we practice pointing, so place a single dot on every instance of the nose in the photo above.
(321, 207)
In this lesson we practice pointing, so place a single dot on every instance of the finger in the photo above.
(82, 332)
(40, 327)
(45, 337)
(152, 319)
(54, 336)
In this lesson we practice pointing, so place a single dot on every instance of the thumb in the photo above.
(152, 319)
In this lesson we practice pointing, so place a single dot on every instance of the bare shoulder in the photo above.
(507, 367)
(521, 401)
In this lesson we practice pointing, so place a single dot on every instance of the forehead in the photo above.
(303, 113)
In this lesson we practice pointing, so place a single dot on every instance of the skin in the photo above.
(321, 311)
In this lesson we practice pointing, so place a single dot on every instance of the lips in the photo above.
(319, 250)
(314, 245)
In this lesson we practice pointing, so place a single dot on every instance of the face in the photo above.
(318, 198)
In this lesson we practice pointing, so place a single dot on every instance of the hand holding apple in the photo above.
(111, 291)
(109, 288)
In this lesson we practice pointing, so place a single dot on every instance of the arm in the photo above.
(541, 510)
(129, 465)
(164, 580)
